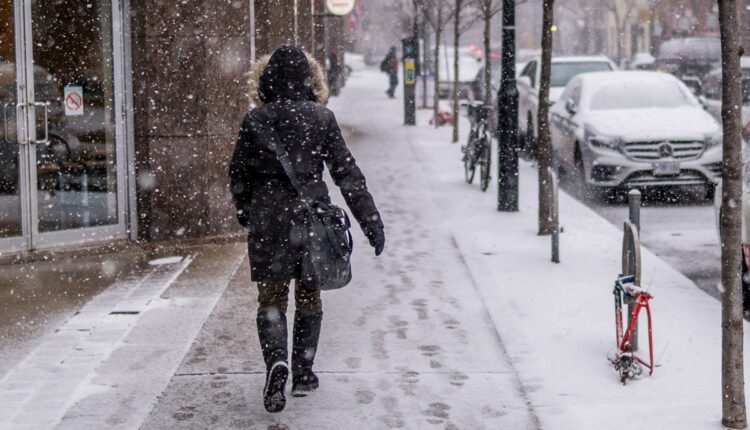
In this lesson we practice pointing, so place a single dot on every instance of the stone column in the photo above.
(189, 65)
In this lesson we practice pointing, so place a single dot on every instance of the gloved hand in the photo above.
(377, 240)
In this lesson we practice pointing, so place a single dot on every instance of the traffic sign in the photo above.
(340, 7)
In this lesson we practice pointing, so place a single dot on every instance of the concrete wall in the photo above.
(189, 66)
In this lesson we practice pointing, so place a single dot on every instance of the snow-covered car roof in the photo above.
(593, 80)
(581, 59)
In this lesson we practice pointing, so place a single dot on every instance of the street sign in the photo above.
(73, 100)
(340, 7)
(409, 71)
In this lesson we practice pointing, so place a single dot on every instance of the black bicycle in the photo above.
(477, 150)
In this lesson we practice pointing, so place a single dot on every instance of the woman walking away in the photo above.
(290, 92)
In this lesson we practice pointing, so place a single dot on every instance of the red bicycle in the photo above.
(626, 362)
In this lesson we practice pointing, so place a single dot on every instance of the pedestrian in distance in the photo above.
(289, 92)
(389, 65)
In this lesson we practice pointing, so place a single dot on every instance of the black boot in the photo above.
(272, 332)
(305, 345)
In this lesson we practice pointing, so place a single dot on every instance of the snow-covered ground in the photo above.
(463, 322)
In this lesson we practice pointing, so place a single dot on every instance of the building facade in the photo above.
(120, 116)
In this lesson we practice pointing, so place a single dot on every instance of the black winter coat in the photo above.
(267, 204)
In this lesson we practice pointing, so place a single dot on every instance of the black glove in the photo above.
(377, 240)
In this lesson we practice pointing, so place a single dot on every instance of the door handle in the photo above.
(19, 107)
(45, 105)
(6, 136)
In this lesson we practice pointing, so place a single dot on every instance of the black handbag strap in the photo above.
(275, 145)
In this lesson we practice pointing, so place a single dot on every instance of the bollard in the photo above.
(634, 206)
(634, 216)
(555, 213)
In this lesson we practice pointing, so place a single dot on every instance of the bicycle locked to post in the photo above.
(479, 145)
(626, 362)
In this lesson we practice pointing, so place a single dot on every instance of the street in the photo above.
(681, 229)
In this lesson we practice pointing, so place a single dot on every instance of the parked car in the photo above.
(478, 85)
(635, 129)
(642, 61)
(711, 91)
(468, 65)
(563, 70)
(689, 58)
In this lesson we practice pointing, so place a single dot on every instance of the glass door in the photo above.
(13, 156)
(61, 147)
(74, 114)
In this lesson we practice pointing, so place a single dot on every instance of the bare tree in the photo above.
(622, 11)
(463, 19)
(439, 14)
(734, 414)
(544, 148)
(487, 10)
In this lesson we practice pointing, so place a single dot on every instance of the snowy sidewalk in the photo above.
(463, 323)
(409, 344)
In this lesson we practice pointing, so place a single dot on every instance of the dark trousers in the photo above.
(392, 83)
(275, 294)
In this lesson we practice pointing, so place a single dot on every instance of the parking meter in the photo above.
(409, 58)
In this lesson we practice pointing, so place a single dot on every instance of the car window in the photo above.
(640, 95)
(566, 94)
(562, 73)
(531, 73)
(575, 94)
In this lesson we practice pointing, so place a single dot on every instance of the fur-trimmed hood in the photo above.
(319, 86)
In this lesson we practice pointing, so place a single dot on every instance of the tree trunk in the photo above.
(456, 38)
(487, 54)
(734, 414)
(544, 146)
(425, 58)
(436, 66)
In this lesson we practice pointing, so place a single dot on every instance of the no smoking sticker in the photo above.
(73, 101)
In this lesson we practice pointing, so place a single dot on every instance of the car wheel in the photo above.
(710, 190)
(587, 191)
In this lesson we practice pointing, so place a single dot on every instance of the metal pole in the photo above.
(296, 17)
(507, 116)
(555, 212)
(634, 216)
(634, 203)
(312, 28)
(252, 31)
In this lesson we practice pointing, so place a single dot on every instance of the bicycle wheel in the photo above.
(485, 160)
(470, 162)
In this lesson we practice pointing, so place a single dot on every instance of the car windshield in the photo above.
(562, 73)
(639, 95)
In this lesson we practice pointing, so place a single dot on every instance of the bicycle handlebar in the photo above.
(625, 283)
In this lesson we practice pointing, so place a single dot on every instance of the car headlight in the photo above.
(604, 142)
(713, 140)
(600, 141)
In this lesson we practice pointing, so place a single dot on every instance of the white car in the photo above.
(711, 91)
(745, 218)
(635, 130)
(563, 70)
(468, 66)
